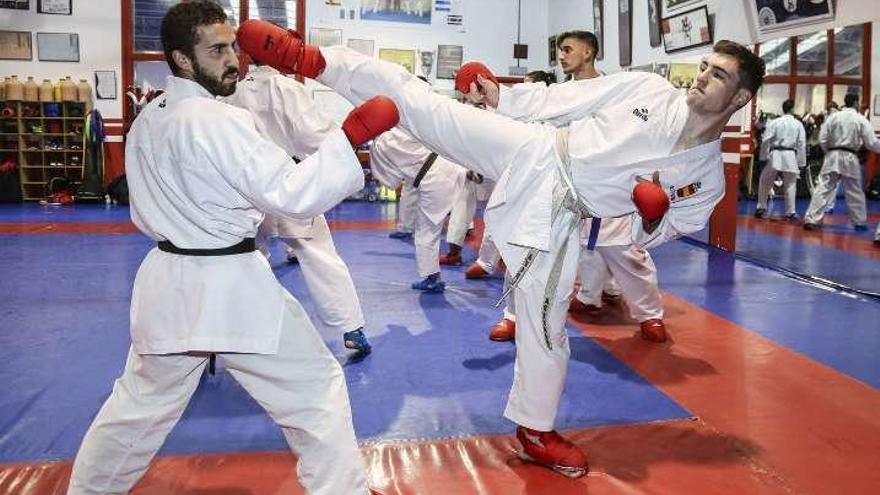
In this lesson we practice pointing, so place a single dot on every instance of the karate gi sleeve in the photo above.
(298, 117)
(767, 140)
(268, 178)
(868, 136)
(559, 104)
(823, 134)
(680, 220)
(801, 147)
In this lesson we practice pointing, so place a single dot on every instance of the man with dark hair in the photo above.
(577, 52)
(628, 144)
(841, 137)
(784, 147)
(200, 175)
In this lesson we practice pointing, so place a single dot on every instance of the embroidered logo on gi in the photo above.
(684, 192)
(641, 113)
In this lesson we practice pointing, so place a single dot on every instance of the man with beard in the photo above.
(200, 176)
(627, 144)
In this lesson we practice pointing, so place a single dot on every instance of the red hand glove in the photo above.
(467, 74)
(651, 200)
(279, 48)
(371, 118)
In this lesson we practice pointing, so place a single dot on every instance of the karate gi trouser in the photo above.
(539, 369)
(634, 270)
(824, 196)
(462, 214)
(488, 255)
(328, 279)
(789, 188)
(427, 243)
(406, 208)
(302, 387)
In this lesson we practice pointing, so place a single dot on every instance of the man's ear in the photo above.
(742, 97)
(183, 62)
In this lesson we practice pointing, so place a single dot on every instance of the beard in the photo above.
(215, 85)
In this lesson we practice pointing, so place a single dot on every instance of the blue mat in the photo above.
(433, 374)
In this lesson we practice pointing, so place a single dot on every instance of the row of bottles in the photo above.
(64, 90)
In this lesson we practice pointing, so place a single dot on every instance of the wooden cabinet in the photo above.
(46, 140)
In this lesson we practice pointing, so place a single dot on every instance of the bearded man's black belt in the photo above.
(247, 245)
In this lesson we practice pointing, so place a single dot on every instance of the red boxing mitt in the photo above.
(467, 74)
(277, 47)
(371, 118)
(651, 201)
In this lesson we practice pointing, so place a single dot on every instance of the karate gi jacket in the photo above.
(846, 129)
(285, 114)
(620, 127)
(784, 144)
(396, 156)
(200, 175)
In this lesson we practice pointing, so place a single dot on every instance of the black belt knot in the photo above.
(247, 245)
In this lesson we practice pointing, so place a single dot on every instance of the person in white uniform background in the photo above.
(609, 252)
(284, 113)
(396, 156)
(621, 130)
(784, 147)
(200, 175)
(841, 137)
(471, 191)
(406, 213)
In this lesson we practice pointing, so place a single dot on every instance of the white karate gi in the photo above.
(461, 218)
(784, 145)
(200, 176)
(283, 111)
(614, 255)
(396, 156)
(849, 130)
(406, 208)
(629, 124)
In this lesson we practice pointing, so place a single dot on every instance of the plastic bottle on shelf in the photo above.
(68, 90)
(31, 90)
(84, 94)
(14, 89)
(56, 88)
(3, 89)
(47, 91)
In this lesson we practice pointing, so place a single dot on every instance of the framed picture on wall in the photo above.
(449, 59)
(624, 31)
(105, 84)
(58, 47)
(686, 30)
(15, 4)
(62, 7)
(654, 22)
(325, 37)
(551, 50)
(16, 45)
(670, 6)
(406, 58)
(772, 15)
(598, 29)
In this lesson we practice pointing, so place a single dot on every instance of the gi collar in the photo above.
(178, 89)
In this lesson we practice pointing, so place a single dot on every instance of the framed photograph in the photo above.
(598, 29)
(772, 15)
(62, 7)
(15, 4)
(325, 36)
(654, 22)
(682, 75)
(412, 12)
(16, 45)
(58, 47)
(686, 30)
(876, 105)
(670, 6)
(551, 50)
(105, 84)
(406, 58)
(367, 47)
(449, 59)
(624, 31)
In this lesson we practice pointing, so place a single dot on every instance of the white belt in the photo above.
(565, 197)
